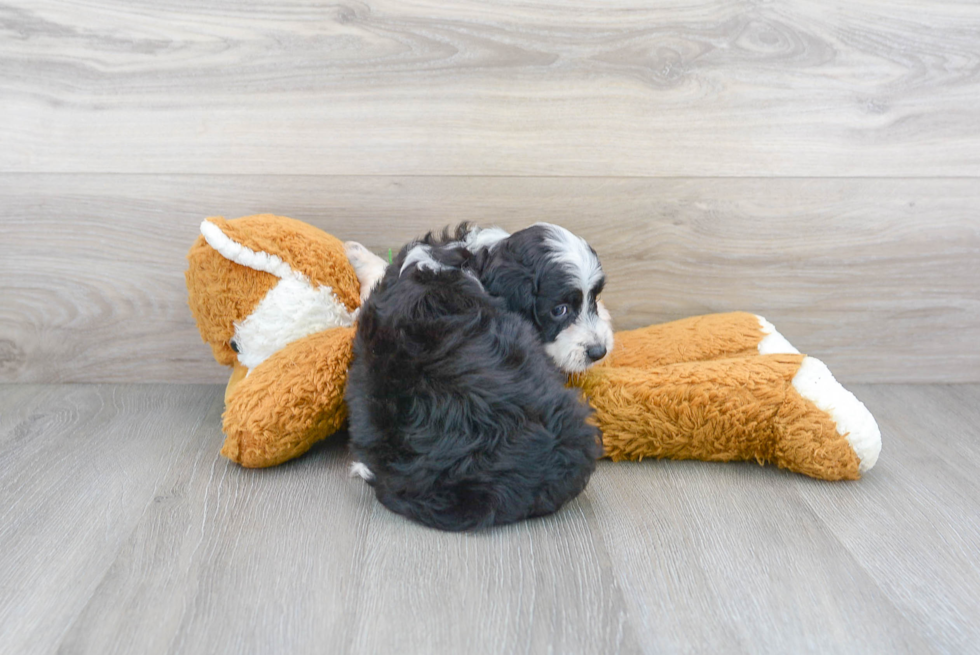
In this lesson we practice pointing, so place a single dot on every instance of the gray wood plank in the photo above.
(518, 87)
(121, 525)
(539, 586)
(728, 558)
(229, 560)
(19, 405)
(301, 558)
(75, 478)
(914, 522)
(880, 278)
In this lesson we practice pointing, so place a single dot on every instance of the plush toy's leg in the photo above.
(696, 339)
(237, 375)
(290, 401)
(369, 267)
(783, 409)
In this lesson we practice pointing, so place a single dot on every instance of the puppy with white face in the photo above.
(553, 278)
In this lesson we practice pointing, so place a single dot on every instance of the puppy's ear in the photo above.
(505, 276)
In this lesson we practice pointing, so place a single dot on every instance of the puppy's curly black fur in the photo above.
(455, 407)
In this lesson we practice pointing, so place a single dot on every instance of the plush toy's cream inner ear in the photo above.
(236, 252)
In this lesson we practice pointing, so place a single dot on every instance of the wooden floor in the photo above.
(122, 530)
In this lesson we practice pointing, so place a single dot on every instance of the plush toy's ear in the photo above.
(285, 246)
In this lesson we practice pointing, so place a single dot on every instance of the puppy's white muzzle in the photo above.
(583, 343)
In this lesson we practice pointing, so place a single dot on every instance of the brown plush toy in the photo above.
(277, 300)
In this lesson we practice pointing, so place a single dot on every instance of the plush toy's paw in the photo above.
(772, 342)
(292, 400)
(369, 267)
(852, 419)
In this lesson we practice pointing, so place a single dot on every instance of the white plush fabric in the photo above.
(291, 310)
(815, 382)
(368, 267)
(234, 251)
(773, 343)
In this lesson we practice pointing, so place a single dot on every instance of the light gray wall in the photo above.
(812, 163)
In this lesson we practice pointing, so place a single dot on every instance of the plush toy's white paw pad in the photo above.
(815, 382)
(360, 470)
(773, 343)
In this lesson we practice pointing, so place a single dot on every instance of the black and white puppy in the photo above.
(459, 416)
(553, 278)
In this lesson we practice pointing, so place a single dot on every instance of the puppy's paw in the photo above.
(368, 267)
(360, 470)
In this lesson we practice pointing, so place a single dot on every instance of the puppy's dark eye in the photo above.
(559, 311)
(234, 345)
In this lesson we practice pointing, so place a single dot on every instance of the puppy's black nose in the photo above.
(595, 352)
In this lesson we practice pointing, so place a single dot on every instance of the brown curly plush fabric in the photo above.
(743, 408)
(293, 400)
(695, 339)
(220, 294)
